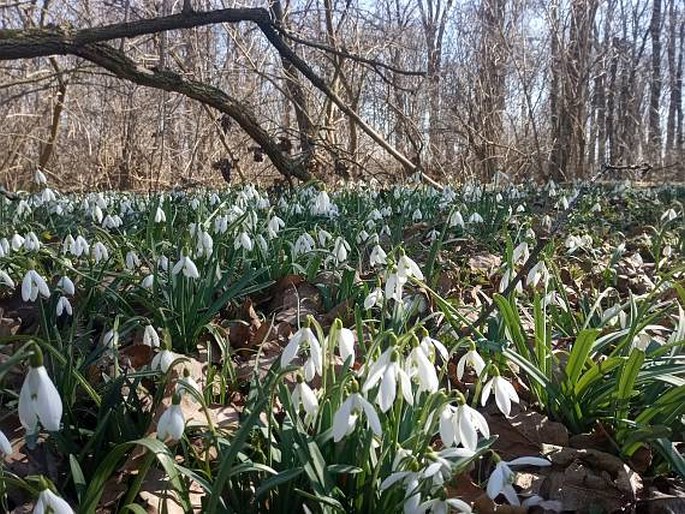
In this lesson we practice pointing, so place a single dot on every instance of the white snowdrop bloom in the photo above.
(261, 243)
(40, 178)
(394, 285)
(274, 226)
(321, 205)
(433, 235)
(109, 222)
(419, 366)
(214, 199)
(187, 266)
(345, 343)
(473, 360)
(303, 396)
(669, 215)
(67, 244)
(31, 242)
(476, 218)
(430, 346)
(23, 209)
(323, 236)
(33, 285)
(49, 503)
(243, 241)
(597, 207)
(132, 260)
(443, 506)
(99, 252)
(63, 306)
(407, 268)
(160, 215)
(205, 244)
(456, 220)
(374, 298)
(150, 336)
(303, 245)
(504, 394)
(507, 277)
(375, 215)
(385, 231)
(5, 445)
(66, 285)
(537, 273)
(520, 208)
(520, 253)
(460, 425)
(163, 262)
(387, 371)
(345, 418)
(110, 339)
(417, 215)
(340, 249)
(314, 364)
(163, 360)
(546, 222)
(6, 279)
(171, 424)
(99, 217)
(221, 224)
(147, 281)
(362, 237)
(48, 195)
(378, 256)
(39, 400)
(5, 247)
(563, 203)
(502, 477)
(195, 204)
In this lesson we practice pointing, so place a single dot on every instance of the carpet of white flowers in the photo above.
(363, 349)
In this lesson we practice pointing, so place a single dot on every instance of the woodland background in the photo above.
(463, 89)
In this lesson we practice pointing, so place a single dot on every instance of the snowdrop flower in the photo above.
(537, 273)
(314, 364)
(150, 336)
(16, 242)
(32, 285)
(40, 178)
(417, 215)
(340, 249)
(195, 204)
(374, 298)
(39, 400)
(456, 220)
(48, 195)
(303, 245)
(147, 281)
(501, 479)
(163, 262)
(322, 204)
(6, 279)
(520, 253)
(98, 215)
(504, 394)
(407, 268)
(430, 346)
(507, 277)
(160, 216)
(205, 244)
(323, 236)
(243, 241)
(476, 218)
(546, 222)
(473, 360)
(99, 252)
(163, 360)
(132, 260)
(68, 243)
(344, 338)
(274, 226)
(303, 396)
(188, 267)
(345, 418)
(5, 247)
(171, 423)
(63, 306)
(378, 256)
(461, 424)
(443, 506)
(362, 237)
(188, 384)
(66, 285)
(419, 366)
(31, 242)
(394, 285)
(49, 503)
(5, 445)
(387, 370)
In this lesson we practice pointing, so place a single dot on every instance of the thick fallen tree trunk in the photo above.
(89, 44)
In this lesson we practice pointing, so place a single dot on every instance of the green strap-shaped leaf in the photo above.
(579, 354)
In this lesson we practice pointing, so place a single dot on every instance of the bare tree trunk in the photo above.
(654, 139)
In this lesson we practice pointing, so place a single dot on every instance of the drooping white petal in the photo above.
(5, 445)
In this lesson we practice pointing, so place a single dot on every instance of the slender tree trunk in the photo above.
(654, 139)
